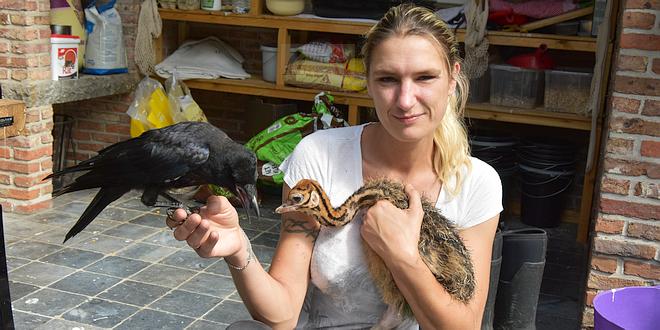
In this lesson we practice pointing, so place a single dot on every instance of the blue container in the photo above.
(631, 308)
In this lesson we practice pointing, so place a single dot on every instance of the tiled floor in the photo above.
(125, 271)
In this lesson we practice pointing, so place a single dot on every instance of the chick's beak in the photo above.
(247, 194)
(288, 206)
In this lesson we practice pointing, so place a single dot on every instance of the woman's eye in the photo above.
(387, 79)
(426, 77)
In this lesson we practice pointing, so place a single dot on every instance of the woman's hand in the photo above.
(214, 232)
(393, 233)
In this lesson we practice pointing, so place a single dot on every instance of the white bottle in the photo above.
(211, 4)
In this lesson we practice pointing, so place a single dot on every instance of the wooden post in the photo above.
(12, 118)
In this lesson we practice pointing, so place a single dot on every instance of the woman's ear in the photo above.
(456, 69)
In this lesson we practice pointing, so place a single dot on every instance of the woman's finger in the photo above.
(199, 235)
(183, 231)
(206, 248)
(414, 200)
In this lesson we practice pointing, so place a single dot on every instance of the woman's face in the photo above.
(410, 86)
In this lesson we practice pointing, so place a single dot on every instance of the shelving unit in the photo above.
(285, 25)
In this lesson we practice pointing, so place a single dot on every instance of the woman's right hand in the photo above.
(214, 232)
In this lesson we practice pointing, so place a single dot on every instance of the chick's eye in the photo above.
(296, 198)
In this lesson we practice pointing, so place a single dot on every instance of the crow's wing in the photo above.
(104, 197)
(156, 157)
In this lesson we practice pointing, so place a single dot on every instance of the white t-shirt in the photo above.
(343, 295)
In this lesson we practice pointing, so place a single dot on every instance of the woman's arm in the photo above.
(273, 297)
(433, 307)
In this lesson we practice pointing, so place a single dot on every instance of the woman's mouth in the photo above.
(407, 119)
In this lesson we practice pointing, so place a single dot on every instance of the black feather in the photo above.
(180, 155)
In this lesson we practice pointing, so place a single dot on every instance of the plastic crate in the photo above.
(567, 91)
(515, 87)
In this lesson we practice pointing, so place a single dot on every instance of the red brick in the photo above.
(632, 63)
(637, 85)
(107, 138)
(31, 154)
(19, 167)
(656, 66)
(650, 149)
(5, 179)
(5, 152)
(620, 146)
(588, 319)
(90, 146)
(20, 142)
(20, 194)
(46, 189)
(643, 230)
(33, 207)
(631, 167)
(46, 165)
(640, 41)
(635, 126)
(118, 128)
(81, 135)
(606, 282)
(27, 181)
(638, 20)
(624, 248)
(650, 270)
(4, 19)
(30, 48)
(32, 116)
(4, 73)
(89, 125)
(18, 5)
(603, 264)
(646, 190)
(19, 74)
(589, 297)
(4, 47)
(630, 209)
(609, 226)
(642, 4)
(615, 186)
(22, 20)
(46, 138)
(39, 74)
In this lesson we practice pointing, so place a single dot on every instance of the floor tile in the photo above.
(134, 293)
(48, 302)
(53, 218)
(131, 231)
(150, 319)
(146, 252)
(219, 268)
(165, 238)
(187, 258)
(23, 320)
(150, 220)
(209, 284)
(57, 235)
(31, 250)
(39, 273)
(100, 313)
(162, 275)
(74, 258)
(206, 325)
(118, 214)
(85, 283)
(57, 324)
(24, 228)
(117, 266)
(228, 312)
(185, 303)
(14, 262)
(19, 290)
(104, 244)
(133, 204)
(75, 207)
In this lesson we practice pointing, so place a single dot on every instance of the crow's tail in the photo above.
(104, 197)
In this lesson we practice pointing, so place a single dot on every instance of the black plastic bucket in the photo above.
(543, 195)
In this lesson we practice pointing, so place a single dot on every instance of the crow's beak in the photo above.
(286, 207)
(247, 194)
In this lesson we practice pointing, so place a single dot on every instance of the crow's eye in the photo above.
(296, 199)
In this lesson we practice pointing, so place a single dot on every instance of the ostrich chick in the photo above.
(439, 244)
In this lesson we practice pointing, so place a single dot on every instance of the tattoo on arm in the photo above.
(290, 225)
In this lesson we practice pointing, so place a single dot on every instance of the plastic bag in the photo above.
(274, 144)
(151, 107)
(105, 52)
(179, 95)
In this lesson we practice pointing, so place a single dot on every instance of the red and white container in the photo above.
(64, 56)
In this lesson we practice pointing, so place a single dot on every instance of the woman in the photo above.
(414, 78)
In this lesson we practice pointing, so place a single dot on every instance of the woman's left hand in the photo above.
(393, 233)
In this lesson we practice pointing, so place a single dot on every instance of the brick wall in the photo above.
(626, 235)
(24, 54)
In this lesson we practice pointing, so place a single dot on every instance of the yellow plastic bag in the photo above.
(151, 108)
(179, 95)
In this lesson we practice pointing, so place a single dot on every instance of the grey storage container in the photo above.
(515, 87)
(567, 91)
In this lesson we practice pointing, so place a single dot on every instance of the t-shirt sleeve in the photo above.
(485, 197)
(304, 162)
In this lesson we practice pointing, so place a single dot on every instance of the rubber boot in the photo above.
(495, 265)
(523, 261)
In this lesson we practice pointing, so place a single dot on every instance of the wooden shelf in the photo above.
(571, 43)
(485, 111)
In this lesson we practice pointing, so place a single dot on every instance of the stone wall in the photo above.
(24, 55)
(626, 234)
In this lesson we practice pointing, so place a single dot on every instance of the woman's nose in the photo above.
(407, 96)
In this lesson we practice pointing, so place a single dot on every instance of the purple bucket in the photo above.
(631, 308)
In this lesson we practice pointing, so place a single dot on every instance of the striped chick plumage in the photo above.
(440, 246)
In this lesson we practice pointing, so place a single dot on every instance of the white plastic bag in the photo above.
(105, 52)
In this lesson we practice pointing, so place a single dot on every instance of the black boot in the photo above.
(523, 260)
(495, 264)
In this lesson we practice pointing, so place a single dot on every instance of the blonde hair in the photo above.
(451, 152)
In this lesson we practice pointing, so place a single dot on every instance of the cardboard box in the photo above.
(12, 118)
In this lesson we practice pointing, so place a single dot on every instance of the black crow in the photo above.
(181, 155)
